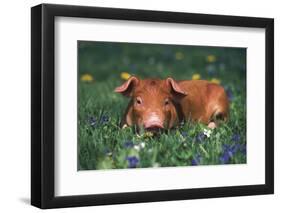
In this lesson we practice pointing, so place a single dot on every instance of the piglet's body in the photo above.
(206, 102)
(161, 104)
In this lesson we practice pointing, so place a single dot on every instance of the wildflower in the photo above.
(133, 161)
(196, 76)
(229, 94)
(128, 144)
(142, 145)
(137, 147)
(235, 138)
(125, 76)
(207, 132)
(211, 58)
(215, 81)
(87, 78)
(196, 160)
(179, 56)
(224, 159)
(200, 137)
(228, 152)
(104, 119)
(93, 121)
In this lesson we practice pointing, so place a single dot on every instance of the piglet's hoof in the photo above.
(212, 125)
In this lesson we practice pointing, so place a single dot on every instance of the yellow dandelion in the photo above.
(211, 58)
(125, 75)
(87, 78)
(215, 81)
(196, 76)
(179, 56)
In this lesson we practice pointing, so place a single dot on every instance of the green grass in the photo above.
(104, 145)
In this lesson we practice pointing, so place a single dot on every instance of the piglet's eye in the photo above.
(138, 101)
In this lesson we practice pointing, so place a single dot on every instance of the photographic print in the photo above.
(153, 100)
(160, 105)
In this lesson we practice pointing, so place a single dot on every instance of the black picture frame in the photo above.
(43, 105)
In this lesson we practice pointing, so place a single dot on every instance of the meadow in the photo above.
(102, 144)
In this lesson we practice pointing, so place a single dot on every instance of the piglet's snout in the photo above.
(153, 122)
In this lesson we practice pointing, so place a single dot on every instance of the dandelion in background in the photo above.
(215, 81)
(196, 76)
(87, 78)
(211, 58)
(132, 161)
(125, 76)
(179, 56)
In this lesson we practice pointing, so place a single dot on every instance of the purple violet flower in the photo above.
(229, 93)
(128, 144)
(235, 138)
(196, 160)
(104, 119)
(200, 137)
(93, 121)
(133, 161)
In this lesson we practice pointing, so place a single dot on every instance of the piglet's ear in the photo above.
(175, 87)
(126, 88)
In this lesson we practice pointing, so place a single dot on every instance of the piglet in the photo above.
(162, 104)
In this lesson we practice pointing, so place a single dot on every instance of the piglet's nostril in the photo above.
(154, 127)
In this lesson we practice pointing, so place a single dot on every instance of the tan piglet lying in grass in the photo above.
(162, 104)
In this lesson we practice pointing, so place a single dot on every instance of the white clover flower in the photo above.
(137, 147)
(142, 145)
(207, 132)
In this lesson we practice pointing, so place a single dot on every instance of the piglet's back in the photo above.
(204, 100)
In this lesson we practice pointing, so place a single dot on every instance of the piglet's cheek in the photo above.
(173, 118)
